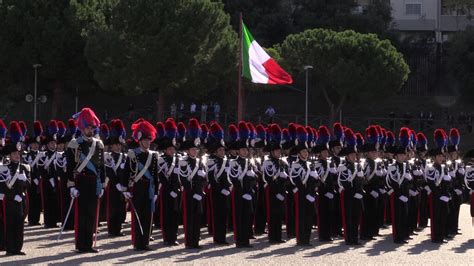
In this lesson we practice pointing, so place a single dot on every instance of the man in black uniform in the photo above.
(439, 181)
(398, 179)
(242, 176)
(305, 179)
(15, 178)
(114, 165)
(374, 177)
(140, 176)
(275, 174)
(327, 172)
(49, 178)
(420, 164)
(33, 158)
(220, 186)
(170, 187)
(457, 172)
(192, 175)
(86, 174)
(350, 186)
(335, 146)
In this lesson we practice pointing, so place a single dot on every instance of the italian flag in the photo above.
(257, 65)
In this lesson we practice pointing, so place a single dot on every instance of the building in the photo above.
(429, 17)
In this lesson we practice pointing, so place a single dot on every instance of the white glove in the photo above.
(417, 172)
(36, 181)
(413, 193)
(452, 173)
(390, 192)
(340, 189)
(295, 190)
(358, 196)
(225, 192)
(313, 174)
(251, 173)
(120, 188)
(51, 181)
(247, 196)
(74, 193)
(101, 193)
(127, 195)
(201, 173)
(444, 198)
(155, 197)
(2, 196)
(333, 170)
(329, 195)
(407, 176)
(428, 189)
(379, 173)
(18, 198)
(447, 178)
(197, 197)
(360, 174)
(310, 198)
(341, 168)
(374, 194)
(403, 198)
(283, 175)
(383, 191)
(280, 197)
(173, 194)
(458, 192)
(461, 171)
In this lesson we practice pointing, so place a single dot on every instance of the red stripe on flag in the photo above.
(276, 74)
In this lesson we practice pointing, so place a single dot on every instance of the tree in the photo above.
(46, 33)
(166, 46)
(460, 62)
(348, 66)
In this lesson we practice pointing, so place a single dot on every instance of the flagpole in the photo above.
(239, 78)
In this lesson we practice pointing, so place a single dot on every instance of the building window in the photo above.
(413, 9)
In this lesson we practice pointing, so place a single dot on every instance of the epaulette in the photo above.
(131, 154)
(27, 167)
(73, 144)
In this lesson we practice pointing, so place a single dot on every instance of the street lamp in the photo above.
(35, 99)
(306, 68)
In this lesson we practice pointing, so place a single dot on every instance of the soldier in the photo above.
(327, 173)
(33, 158)
(15, 178)
(220, 185)
(3, 135)
(114, 167)
(439, 180)
(398, 180)
(86, 174)
(335, 147)
(170, 187)
(457, 172)
(49, 179)
(242, 176)
(350, 188)
(258, 144)
(192, 175)
(304, 178)
(140, 176)
(60, 170)
(420, 164)
(275, 174)
(288, 143)
(374, 177)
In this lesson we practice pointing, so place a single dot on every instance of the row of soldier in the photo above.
(344, 184)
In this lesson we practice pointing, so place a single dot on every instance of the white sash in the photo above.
(88, 157)
(145, 167)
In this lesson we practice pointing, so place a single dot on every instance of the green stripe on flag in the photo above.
(247, 40)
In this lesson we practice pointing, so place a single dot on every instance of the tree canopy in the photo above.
(348, 66)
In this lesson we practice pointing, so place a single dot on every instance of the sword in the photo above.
(65, 220)
(96, 222)
(136, 215)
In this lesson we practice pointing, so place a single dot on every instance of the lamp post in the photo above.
(306, 68)
(35, 97)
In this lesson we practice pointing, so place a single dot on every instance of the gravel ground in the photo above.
(42, 248)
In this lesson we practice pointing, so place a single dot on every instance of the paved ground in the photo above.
(42, 248)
